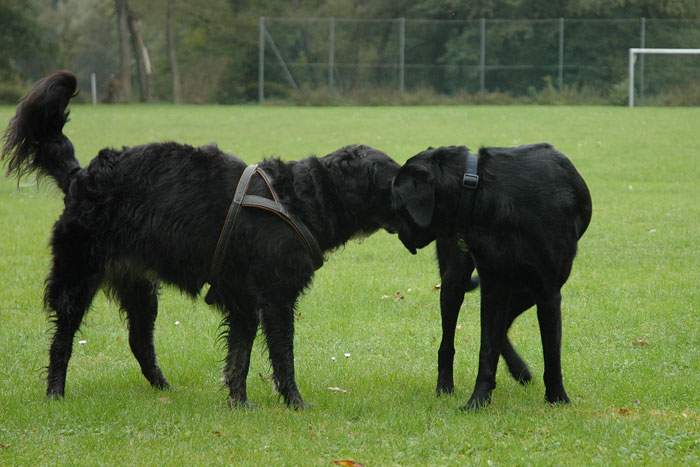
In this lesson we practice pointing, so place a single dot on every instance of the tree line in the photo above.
(207, 50)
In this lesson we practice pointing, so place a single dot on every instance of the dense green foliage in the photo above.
(631, 348)
(217, 41)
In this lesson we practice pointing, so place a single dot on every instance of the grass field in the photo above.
(631, 350)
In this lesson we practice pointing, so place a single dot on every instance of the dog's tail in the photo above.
(34, 139)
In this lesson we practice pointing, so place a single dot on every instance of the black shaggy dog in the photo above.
(520, 226)
(138, 216)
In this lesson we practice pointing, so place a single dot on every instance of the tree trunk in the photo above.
(172, 56)
(123, 91)
(142, 58)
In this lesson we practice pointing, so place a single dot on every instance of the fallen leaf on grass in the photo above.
(216, 433)
(336, 389)
(624, 411)
(640, 342)
(347, 463)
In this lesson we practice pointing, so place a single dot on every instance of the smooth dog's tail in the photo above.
(34, 139)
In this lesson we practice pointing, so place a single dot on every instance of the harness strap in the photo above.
(230, 222)
(240, 199)
(268, 182)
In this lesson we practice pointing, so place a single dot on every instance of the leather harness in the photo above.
(241, 199)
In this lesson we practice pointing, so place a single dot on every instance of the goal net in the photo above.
(636, 79)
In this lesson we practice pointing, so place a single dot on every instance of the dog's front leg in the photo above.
(278, 324)
(549, 318)
(243, 326)
(456, 268)
(450, 302)
(495, 301)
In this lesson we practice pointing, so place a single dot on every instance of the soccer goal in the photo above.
(633, 57)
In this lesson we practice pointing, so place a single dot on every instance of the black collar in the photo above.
(471, 179)
(470, 184)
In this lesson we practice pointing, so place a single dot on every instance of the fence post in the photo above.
(402, 53)
(561, 54)
(331, 51)
(261, 60)
(643, 42)
(632, 56)
(93, 87)
(482, 59)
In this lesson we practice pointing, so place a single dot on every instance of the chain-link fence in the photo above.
(338, 60)
(516, 57)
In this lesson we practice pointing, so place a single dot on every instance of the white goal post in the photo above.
(633, 57)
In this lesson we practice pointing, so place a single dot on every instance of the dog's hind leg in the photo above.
(278, 324)
(243, 326)
(520, 301)
(138, 298)
(456, 268)
(495, 308)
(549, 319)
(517, 367)
(70, 288)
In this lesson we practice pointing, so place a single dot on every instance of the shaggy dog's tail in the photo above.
(34, 139)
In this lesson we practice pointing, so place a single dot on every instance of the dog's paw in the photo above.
(55, 392)
(521, 375)
(557, 397)
(54, 396)
(238, 404)
(444, 388)
(476, 402)
(159, 382)
(298, 404)
(162, 385)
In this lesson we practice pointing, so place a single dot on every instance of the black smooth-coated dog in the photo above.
(520, 227)
(139, 216)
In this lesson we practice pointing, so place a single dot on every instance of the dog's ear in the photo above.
(414, 190)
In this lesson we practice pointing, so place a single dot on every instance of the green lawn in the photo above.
(631, 351)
